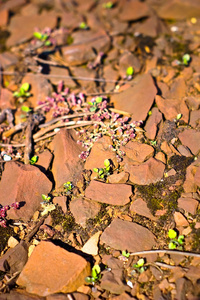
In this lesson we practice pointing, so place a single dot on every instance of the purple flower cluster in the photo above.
(3, 212)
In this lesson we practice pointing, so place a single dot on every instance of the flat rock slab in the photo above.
(133, 10)
(24, 184)
(139, 206)
(122, 235)
(148, 172)
(138, 99)
(191, 139)
(138, 152)
(52, 269)
(152, 122)
(188, 204)
(113, 194)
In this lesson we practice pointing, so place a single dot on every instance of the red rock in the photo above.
(121, 177)
(184, 151)
(188, 204)
(191, 139)
(62, 202)
(139, 207)
(22, 27)
(56, 71)
(40, 88)
(83, 210)
(67, 166)
(51, 269)
(13, 5)
(151, 27)
(128, 60)
(133, 10)
(172, 107)
(148, 172)
(6, 99)
(193, 102)
(113, 194)
(75, 55)
(26, 186)
(127, 235)
(112, 284)
(8, 59)
(194, 118)
(75, 296)
(4, 15)
(152, 122)
(180, 220)
(19, 294)
(44, 159)
(137, 100)
(189, 183)
(178, 89)
(138, 152)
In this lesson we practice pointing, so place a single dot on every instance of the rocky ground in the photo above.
(100, 141)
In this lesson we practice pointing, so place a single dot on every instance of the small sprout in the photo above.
(40, 36)
(153, 143)
(172, 234)
(139, 266)
(108, 5)
(129, 71)
(68, 187)
(95, 275)
(186, 59)
(125, 254)
(103, 172)
(150, 113)
(107, 163)
(23, 92)
(83, 25)
(175, 243)
(45, 198)
(26, 109)
(33, 160)
(178, 117)
(94, 104)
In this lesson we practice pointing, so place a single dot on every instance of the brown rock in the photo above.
(4, 15)
(189, 184)
(180, 220)
(152, 122)
(172, 107)
(26, 185)
(19, 294)
(191, 139)
(128, 60)
(75, 296)
(114, 194)
(139, 207)
(194, 118)
(6, 99)
(151, 27)
(178, 89)
(51, 269)
(8, 59)
(122, 235)
(137, 100)
(44, 159)
(22, 27)
(56, 71)
(66, 165)
(75, 55)
(62, 202)
(148, 172)
(83, 210)
(40, 88)
(138, 152)
(91, 246)
(188, 204)
(112, 284)
(184, 151)
(13, 5)
(133, 10)
(121, 177)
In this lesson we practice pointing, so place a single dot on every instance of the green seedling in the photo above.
(153, 143)
(43, 37)
(68, 187)
(95, 275)
(83, 25)
(33, 160)
(23, 92)
(94, 105)
(45, 198)
(125, 254)
(129, 71)
(108, 5)
(103, 172)
(26, 109)
(186, 59)
(139, 266)
(178, 117)
(175, 242)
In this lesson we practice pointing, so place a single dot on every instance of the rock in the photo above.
(148, 172)
(75, 296)
(121, 177)
(8, 59)
(56, 71)
(44, 160)
(12, 242)
(113, 194)
(191, 139)
(188, 204)
(13, 5)
(180, 220)
(91, 246)
(52, 269)
(21, 33)
(178, 89)
(138, 152)
(99, 152)
(6, 99)
(189, 183)
(19, 294)
(172, 107)
(26, 186)
(40, 88)
(127, 235)
(128, 60)
(151, 27)
(83, 210)
(194, 118)
(4, 16)
(139, 207)
(175, 9)
(112, 284)
(152, 122)
(184, 151)
(141, 98)
(133, 10)
(75, 55)
(66, 154)
(62, 202)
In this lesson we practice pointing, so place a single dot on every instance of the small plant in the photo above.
(129, 72)
(46, 205)
(43, 37)
(103, 172)
(46, 199)
(153, 143)
(139, 266)
(178, 117)
(68, 187)
(26, 109)
(125, 254)
(23, 92)
(175, 242)
(108, 5)
(94, 104)
(95, 275)
(83, 25)
(33, 160)
(186, 59)
(3, 212)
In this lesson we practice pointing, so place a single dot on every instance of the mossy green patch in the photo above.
(5, 233)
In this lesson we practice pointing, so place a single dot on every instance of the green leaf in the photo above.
(44, 197)
(34, 159)
(106, 163)
(186, 59)
(172, 245)
(172, 234)
(98, 99)
(178, 117)
(96, 170)
(140, 262)
(89, 279)
(16, 94)
(25, 87)
(37, 35)
(47, 43)
(93, 108)
(101, 171)
(125, 254)
(96, 270)
(25, 108)
(181, 239)
(129, 71)
(83, 25)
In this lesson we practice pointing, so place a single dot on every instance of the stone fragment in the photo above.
(62, 202)
(188, 204)
(128, 60)
(112, 284)
(152, 122)
(19, 294)
(56, 71)
(191, 139)
(194, 118)
(44, 160)
(75, 55)
(6, 99)
(151, 27)
(133, 10)
(13, 5)
(127, 235)
(189, 183)
(184, 151)
(8, 59)
(113, 194)
(26, 185)
(67, 166)
(4, 15)
(52, 269)
(75, 296)
(180, 220)
(121, 177)
(138, 152)
(83, 210)
(40, 88)
(91, 246)
(148, 172)
(21, 33)
(178, 89)
(137, 100)
(139, 206)
(172, 107)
